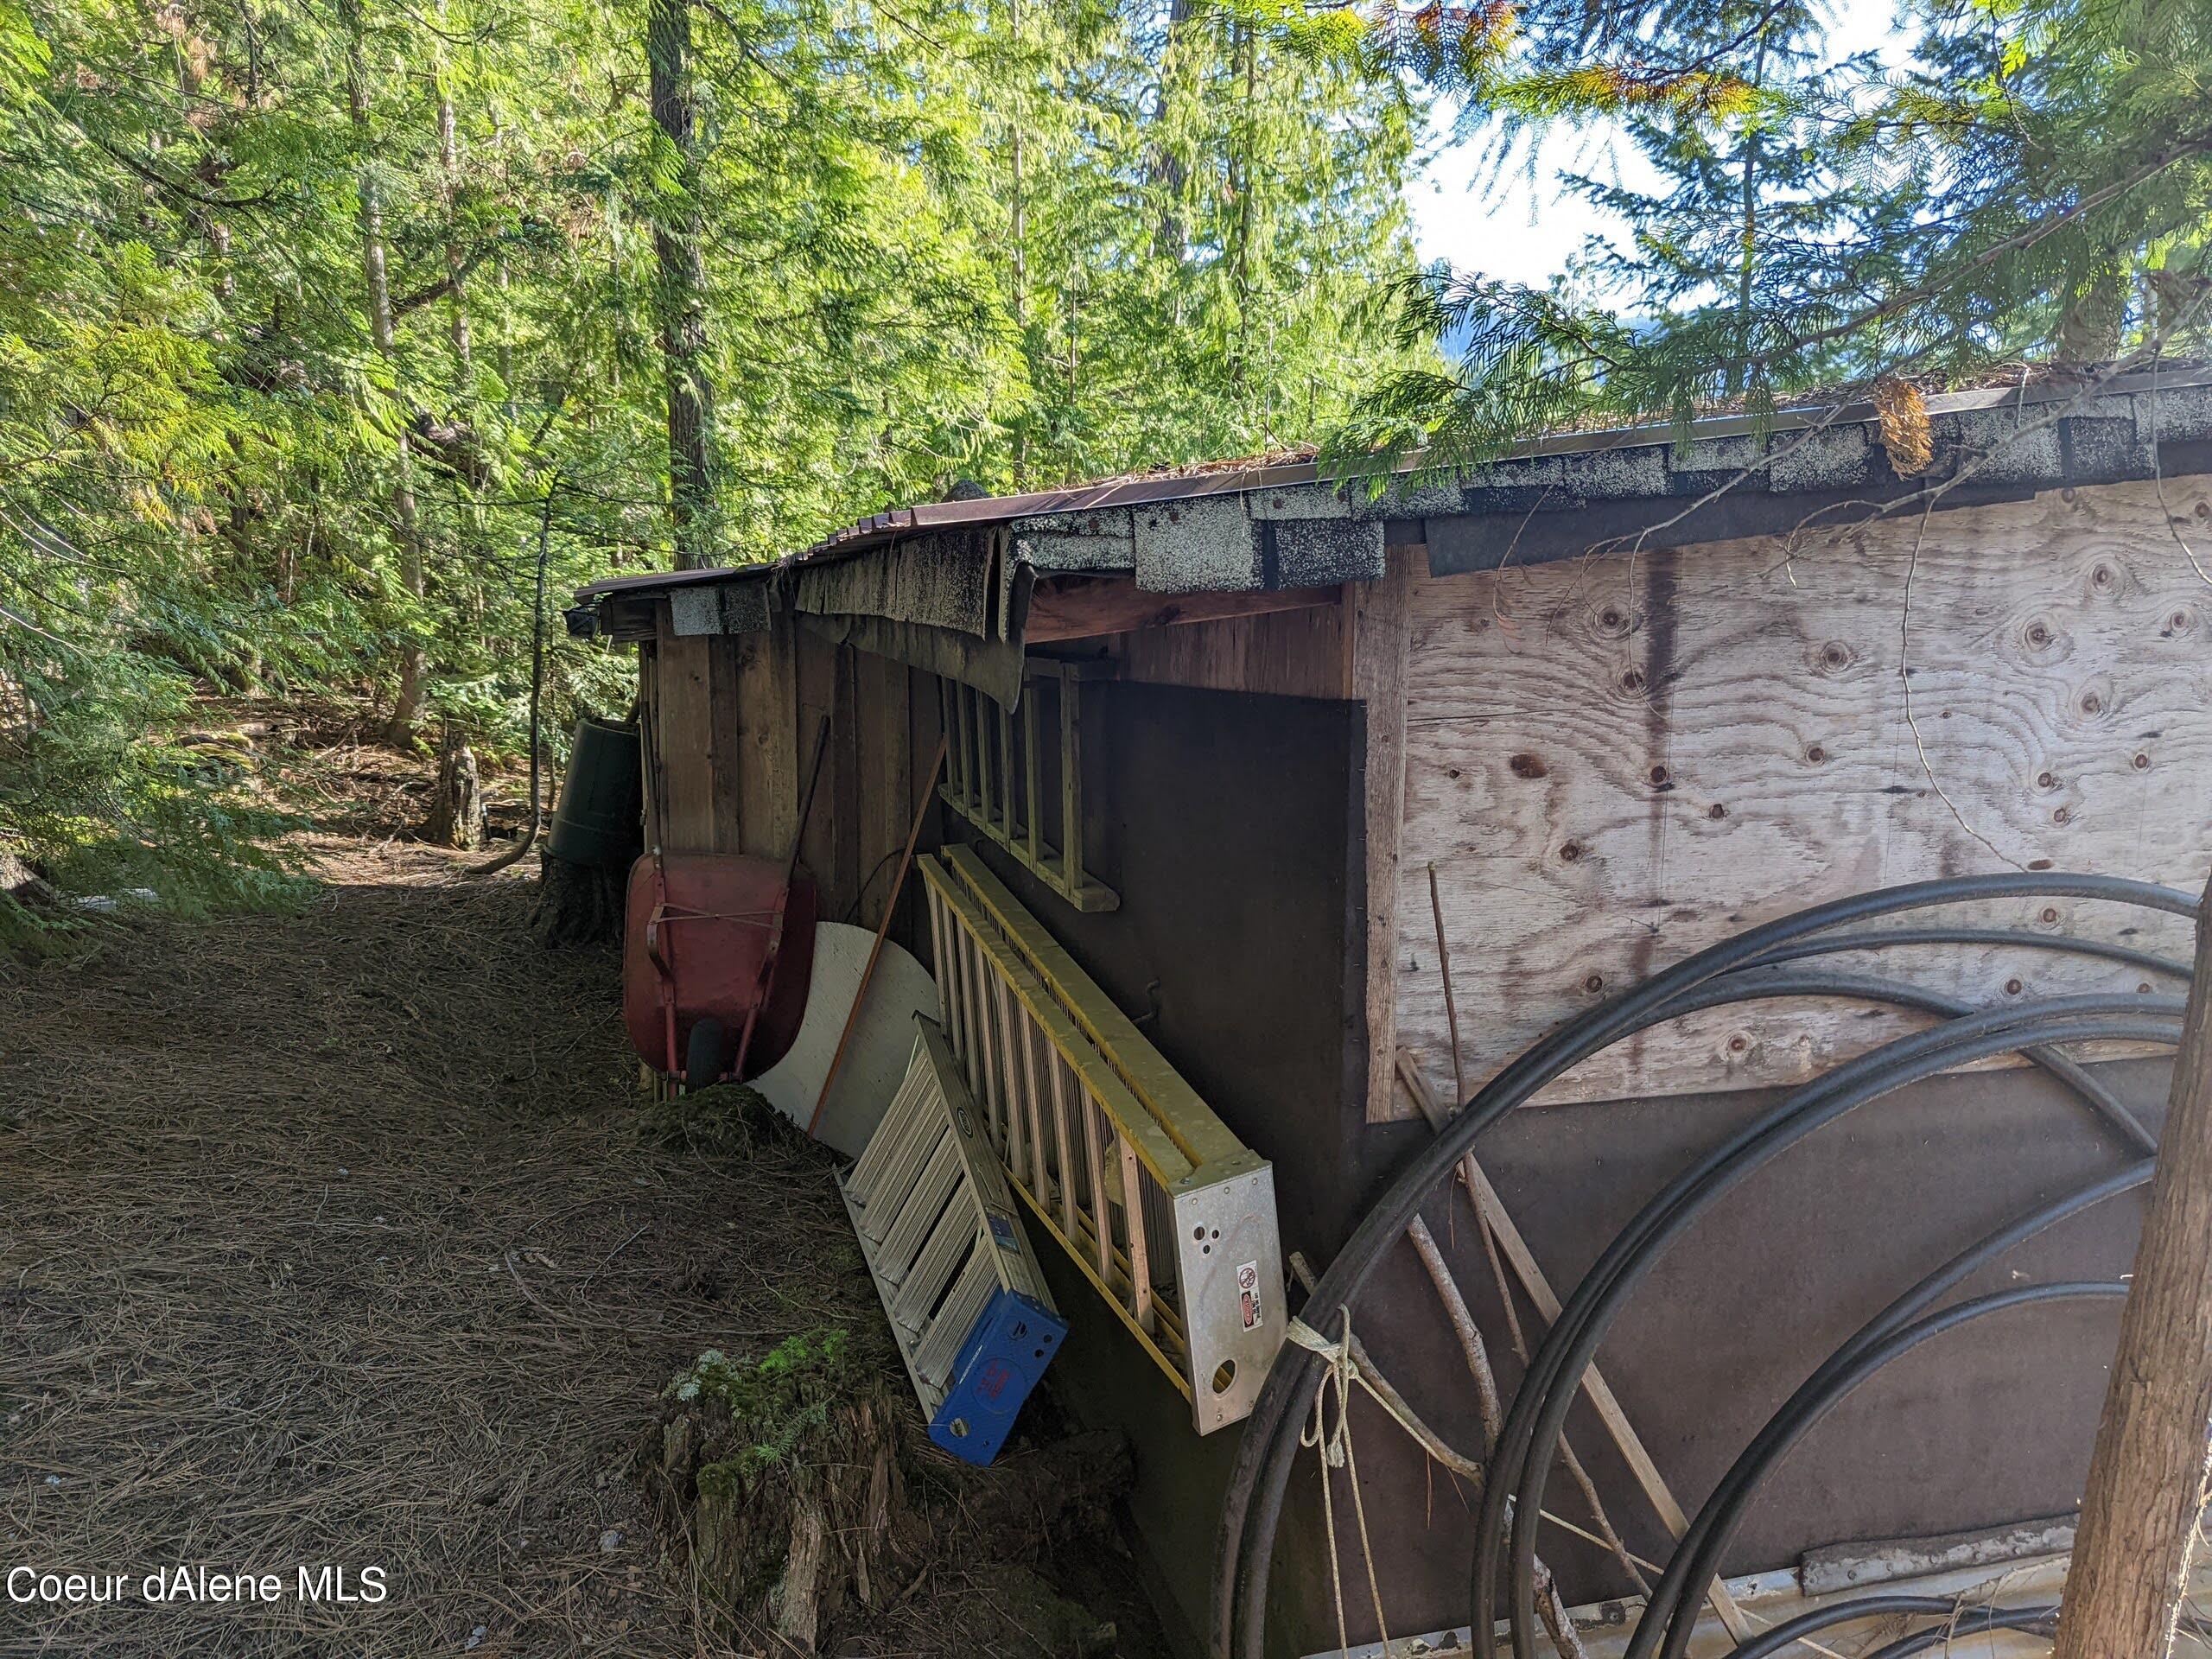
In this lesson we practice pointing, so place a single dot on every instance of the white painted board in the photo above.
(875, 1062)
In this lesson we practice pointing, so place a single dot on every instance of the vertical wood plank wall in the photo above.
(734, 719)
(1614, 762)
(1282, 653)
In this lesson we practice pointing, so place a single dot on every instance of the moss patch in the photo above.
(775, 1406)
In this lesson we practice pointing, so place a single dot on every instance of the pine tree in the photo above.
(2034, 184)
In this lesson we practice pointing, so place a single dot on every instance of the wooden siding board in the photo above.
(884, 762)
(725, 745)
(1293, 653)
(768, 721)
(1086, 607)
(649, 722)
(815, 662)
(684, 701)
(842, 783)
(1617, 762)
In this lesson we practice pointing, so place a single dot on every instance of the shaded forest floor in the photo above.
(340, 1239)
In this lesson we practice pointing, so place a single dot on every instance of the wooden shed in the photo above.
(1275, 805)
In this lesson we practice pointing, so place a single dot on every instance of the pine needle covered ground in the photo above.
(344, 1239)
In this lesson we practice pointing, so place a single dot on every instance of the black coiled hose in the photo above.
(1261, 1476)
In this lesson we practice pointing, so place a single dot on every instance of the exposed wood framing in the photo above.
(1614, 762)
(1298, 653)
(1083, 607)
(730, 716)
(993, 776)
(1380, 620)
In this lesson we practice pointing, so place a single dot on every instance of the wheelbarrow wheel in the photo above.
(705, 1053)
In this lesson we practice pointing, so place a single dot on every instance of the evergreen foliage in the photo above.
(2032, 183)
(311, 311)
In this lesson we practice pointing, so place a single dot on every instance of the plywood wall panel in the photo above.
(1616, 762)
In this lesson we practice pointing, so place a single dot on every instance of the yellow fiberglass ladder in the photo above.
(1170, 1217)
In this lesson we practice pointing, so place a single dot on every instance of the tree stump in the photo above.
(456, 817)
(805, 1492)
(577, 904)
(784, 1476)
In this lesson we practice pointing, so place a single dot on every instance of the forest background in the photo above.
(333, 333)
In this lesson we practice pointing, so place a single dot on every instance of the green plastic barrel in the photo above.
(599, 820)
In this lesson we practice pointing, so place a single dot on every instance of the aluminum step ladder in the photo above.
(938, 1228)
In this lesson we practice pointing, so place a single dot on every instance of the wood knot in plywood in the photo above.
(1612, 621)
(2042, 638)
(1525, 764)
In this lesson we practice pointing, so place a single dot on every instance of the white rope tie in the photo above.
(1335, 1446)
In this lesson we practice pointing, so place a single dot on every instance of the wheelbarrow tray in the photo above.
(696, 932)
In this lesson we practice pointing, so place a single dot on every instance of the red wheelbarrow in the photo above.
(717, 951)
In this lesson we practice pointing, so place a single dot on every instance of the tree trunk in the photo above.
(1244, 41)
(456, 270)
(408, 703)
(1166, 172)
(1018, 234)
(678, 246)
(2146, 1477)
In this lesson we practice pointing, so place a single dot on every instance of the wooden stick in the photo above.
(883, 928)
(1623, 1434)
(1568, 1460)
(1551, 1605)
(1451, 1006)
(2129, 1573)
(1490, 1405)
(1576, 1472)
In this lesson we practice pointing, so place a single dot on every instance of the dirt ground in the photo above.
(334, 1240)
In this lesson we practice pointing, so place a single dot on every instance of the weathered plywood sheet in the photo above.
(1616, 762)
